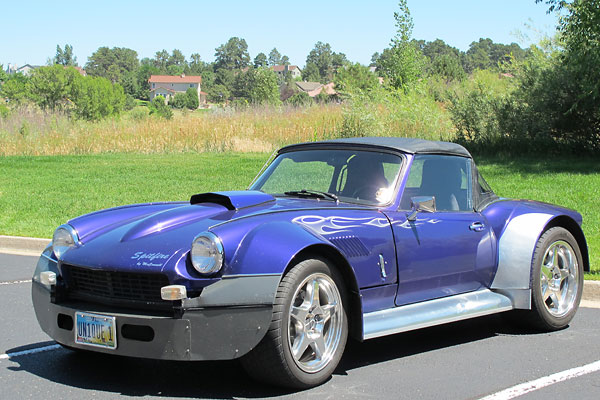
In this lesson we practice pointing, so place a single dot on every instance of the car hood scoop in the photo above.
(234, 200)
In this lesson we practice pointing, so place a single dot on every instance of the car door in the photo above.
(448, 251)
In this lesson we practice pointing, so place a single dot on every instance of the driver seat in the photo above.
(364, 178)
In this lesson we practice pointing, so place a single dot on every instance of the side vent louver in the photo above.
(351, 246)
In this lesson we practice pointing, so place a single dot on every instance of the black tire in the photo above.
(545, 314)
(272, 361)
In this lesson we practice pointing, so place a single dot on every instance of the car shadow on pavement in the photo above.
(227, 379)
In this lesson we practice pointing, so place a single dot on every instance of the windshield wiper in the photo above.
(312, 193)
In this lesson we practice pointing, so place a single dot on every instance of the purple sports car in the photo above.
(356, 237)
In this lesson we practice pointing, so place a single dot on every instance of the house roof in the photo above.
(175, 79)
(309, 86)
(405, 145)
(28, 65)
(281, 68)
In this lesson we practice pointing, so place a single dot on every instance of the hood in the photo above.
(156, 237)
(148, 236)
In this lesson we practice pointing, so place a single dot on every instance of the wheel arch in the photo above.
(574, 229)
(333, 255)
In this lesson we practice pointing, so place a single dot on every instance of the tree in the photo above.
(285, 60)
(176, 58)
(310, 73)
(225, 77)
(339, 60)
(404, 63)
(260, 60)
(96, 98)
(448, 67)
(322, 57)
(3, 75)
(65, 57)
(196, 66)
(264, 88)
(15, 88)
(232, 55)
(575, 103)
(117, 65)
(374, 59)
(274, 57)
(485, 54)
(161, 58)
(218, 93)
(51, 87)
(354, 78)
(257, 86)
(191, 99)
(146, 70)
(57, 88)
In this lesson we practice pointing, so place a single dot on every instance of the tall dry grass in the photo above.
(30, 131)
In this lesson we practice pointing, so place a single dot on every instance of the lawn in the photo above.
(39, 193)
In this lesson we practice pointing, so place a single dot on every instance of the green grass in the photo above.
(39, 193)
(569, 182)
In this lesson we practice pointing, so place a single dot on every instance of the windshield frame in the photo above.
(394, 185)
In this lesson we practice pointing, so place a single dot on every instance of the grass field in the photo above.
(39, 193)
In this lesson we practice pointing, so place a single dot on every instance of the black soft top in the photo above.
(405, 145)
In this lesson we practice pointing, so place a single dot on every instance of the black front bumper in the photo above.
(205, 333)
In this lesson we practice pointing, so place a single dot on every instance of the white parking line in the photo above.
(6, 356)
(540, 383)
(14, 282)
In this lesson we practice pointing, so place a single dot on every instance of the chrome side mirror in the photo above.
(421, 203)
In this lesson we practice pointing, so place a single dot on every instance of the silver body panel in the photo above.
(515, 250)
(434, 312)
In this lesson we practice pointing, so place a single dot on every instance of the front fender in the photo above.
(269, 248)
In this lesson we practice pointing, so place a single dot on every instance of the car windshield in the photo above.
(365, 177)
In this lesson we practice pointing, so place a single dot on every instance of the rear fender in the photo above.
(516, 247)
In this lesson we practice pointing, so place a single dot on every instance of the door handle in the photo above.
(477, 226)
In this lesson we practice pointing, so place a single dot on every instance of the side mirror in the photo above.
(421, 203)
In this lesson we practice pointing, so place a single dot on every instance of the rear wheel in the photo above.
(556, 281)
(308, 331)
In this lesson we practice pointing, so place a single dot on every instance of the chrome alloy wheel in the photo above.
(559, 278)
(315, 322)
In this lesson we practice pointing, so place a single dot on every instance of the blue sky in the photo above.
(31, 29)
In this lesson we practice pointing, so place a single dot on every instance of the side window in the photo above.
(447, 178)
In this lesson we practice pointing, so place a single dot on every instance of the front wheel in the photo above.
(309, 329)
(557, 280)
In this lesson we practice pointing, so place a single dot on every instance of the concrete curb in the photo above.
(17, 244)
(35, 246)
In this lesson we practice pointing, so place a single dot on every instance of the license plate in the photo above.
(95, 330)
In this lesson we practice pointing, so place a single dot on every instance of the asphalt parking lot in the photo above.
(466, 360)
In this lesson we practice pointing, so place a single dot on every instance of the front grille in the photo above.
(114, 286)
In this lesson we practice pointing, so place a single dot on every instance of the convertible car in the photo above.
(356, 238)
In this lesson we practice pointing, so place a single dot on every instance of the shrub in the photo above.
(475, 105)
(159, 108)
(178, 101)
(4, 111)
(139, 114)
(191, 99)
(300, 99)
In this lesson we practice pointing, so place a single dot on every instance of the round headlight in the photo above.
(207, 253)
(63, 239)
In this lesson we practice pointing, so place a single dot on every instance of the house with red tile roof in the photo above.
(168, 86)
(282, 70)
